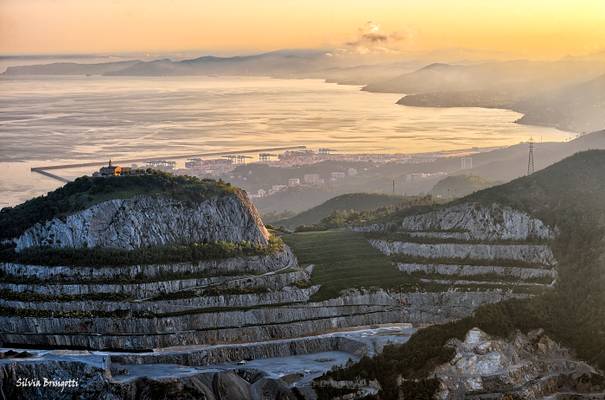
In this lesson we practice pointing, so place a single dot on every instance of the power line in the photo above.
(530, 162)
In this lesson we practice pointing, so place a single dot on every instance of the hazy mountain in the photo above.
(511, 162)
(362, 74)
(519, 77)
(564, 94)
(579, 108)
(69, 68)
(345, 202)
(278, 62)
(460, 185)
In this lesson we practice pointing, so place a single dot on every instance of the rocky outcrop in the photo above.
(480, 222)
(474, 270)
(248, 351)
(528, 366)
(528, 253)
(82, 379)
(150, 272)
(145, 290)
(438, 307)
(73, 378)
(286, 295)
(199, 327)
(147, 220)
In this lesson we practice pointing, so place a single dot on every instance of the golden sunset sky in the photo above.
(527, 28)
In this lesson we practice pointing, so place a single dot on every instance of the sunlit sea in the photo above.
(54, 120)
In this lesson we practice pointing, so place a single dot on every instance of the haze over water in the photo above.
(63, 119)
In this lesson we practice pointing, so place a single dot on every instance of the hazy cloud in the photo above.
(370, 39)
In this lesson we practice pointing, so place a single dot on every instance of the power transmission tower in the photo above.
(530, 162)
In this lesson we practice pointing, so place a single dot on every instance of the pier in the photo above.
(43, 170)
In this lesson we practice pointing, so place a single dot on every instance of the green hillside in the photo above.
(87, 191)
(460, 185)
(345, 202)
(569, 195)
(343, 260)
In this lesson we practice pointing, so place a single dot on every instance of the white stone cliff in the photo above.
(148, 220)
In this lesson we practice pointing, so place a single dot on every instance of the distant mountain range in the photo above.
(258, 64)
(514, 77)
(567, 94)
(579, 108)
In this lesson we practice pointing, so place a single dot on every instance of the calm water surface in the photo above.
(64, 119)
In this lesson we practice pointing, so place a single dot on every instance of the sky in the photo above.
(523, 28)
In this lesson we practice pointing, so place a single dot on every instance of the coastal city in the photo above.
(230, 167)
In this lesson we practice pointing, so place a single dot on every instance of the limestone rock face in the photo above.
(93, 381)
(528, 366)
(151, 221)
(473, 270)
(271, 389)
(94, 376)
(230, 386)
(479, 222)
(531, 253)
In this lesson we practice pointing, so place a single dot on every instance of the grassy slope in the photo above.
(352, 201)
(570, 195)
(342, 260)
(86, 191)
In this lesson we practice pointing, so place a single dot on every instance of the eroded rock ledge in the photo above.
(146, 220)
(522, 367)
(528, 366)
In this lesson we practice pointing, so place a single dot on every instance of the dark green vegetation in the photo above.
(90, 257)
(347, 203)
(87, 191)
(460, 185)
(569, 195)
(350, 217)
(344, 259)
(33, 297)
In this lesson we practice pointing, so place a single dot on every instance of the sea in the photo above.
(47, 120)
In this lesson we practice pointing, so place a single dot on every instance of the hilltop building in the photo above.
(110, 170)
(117, 170)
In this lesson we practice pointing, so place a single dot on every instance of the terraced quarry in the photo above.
(341, 279)
(434, 252)
(254, 296)
(548, 346)
(431, 268)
